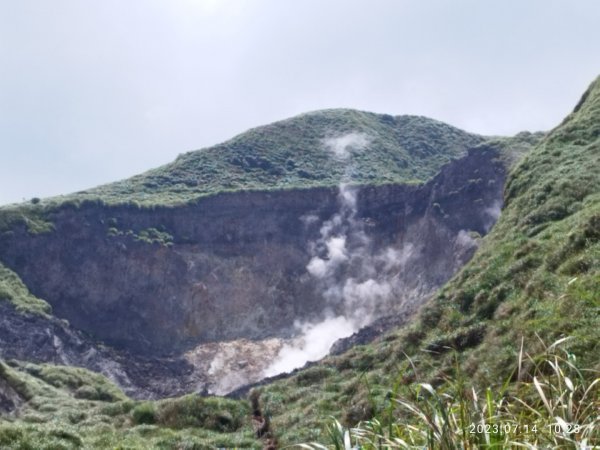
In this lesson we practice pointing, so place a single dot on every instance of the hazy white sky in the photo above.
(94, 91)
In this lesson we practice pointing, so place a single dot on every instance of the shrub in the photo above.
(144, 413)
(200, 412)
(312, 376)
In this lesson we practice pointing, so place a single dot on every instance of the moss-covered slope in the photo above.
(539, 270)
(309, 150)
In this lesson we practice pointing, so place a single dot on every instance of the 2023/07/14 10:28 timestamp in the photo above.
(513, 428)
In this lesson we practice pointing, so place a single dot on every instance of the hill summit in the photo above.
(309, 150)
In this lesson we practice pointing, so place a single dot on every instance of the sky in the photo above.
(96, 91)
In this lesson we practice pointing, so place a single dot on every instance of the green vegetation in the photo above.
(13, 290)
(539, 270)
(81, 383)
(193, 411)
(551, 405)
(293, 154)
(289, 154)
(513, 148)
(70, 408)
(32, 216)
(149, 235)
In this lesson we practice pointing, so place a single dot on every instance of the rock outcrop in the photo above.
(155, 283)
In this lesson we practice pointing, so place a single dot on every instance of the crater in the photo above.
(218, 289)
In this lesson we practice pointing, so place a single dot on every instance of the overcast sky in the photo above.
(94, 91)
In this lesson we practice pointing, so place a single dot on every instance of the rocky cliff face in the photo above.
(164, 282)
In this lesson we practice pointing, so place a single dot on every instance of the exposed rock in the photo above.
(38, 339)
(230, 267)
(229, 365)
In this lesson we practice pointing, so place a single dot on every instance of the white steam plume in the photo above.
(337, 254)
(465, 240)
(313, 344)
(340, 146)
(493, 212)
(356, 282)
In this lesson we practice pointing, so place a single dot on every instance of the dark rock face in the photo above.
(38, 339)
(232, 265)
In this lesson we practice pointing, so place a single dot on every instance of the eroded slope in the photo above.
(161, 281)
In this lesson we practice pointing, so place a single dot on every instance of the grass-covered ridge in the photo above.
(317, 149)
(299, 153)
(539, 270)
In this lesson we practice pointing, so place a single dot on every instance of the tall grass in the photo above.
(549, 402)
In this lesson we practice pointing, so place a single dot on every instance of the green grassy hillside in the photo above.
(299, 153)
(535, 279)
(13, 290)
(71, 408)
(539, 270)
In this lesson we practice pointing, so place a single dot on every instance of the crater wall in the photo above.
(161, 281)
